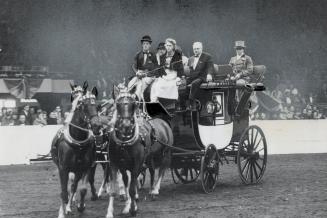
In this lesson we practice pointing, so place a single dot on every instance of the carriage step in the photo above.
(102, 161)
(102, 152)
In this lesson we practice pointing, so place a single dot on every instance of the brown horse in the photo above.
(72, 148)
(131, 143)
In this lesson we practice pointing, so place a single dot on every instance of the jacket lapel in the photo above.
(199, 61)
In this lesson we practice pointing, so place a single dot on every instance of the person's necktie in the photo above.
(145, 57)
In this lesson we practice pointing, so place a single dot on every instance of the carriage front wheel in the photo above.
(252, 155)
(209, 169)
(185, 175)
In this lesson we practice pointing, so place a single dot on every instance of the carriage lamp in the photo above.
(210, 107)
(213, 107)
(217, 107)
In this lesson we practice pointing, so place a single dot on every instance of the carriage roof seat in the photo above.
(221, 71)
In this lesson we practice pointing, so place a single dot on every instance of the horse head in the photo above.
(84, 110)
(126, 128)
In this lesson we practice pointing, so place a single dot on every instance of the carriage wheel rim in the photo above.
(252, 164)
(190, 172)
(209, 179)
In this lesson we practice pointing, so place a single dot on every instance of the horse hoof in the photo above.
(154, 197)
(133, 213)
(94, 198)
(81, 208)
(122, 197)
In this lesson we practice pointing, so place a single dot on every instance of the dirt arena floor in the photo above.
(293, 186)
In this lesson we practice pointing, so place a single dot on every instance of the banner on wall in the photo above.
(23, 87)
(28, 87)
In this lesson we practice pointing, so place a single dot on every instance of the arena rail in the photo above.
(19, 144)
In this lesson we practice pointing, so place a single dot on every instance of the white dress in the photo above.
(165, 86)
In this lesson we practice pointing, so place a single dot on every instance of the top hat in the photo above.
(146, 38)
(239, 44)
(161, 45)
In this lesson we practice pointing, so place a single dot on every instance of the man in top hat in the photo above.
(242, 69)
(201, 69)
(241, 63)
(145, 66)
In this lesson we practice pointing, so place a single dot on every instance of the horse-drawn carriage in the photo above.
(193, 142)
(218, 131)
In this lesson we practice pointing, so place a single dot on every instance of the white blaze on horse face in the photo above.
(75, 101)
(74, 105)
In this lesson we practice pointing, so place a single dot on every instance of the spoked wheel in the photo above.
(210, 169)
(186, 175)
(176, 181)
(252, 155)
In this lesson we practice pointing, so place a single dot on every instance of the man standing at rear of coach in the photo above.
(201, 69)
(242, 64)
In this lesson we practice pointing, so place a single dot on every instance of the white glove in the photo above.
(209, 78)
(178, 81)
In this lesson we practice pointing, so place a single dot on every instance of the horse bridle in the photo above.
(135, 137)
(85, 119)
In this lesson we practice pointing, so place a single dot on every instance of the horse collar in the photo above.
(129, 142)
(71, 141)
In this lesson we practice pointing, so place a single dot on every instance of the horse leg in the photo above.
(152, 174)
(112, 191)
(91, 181)
(164, 165)
(136, 191)
(74, 182)
(105, 179)
(121, 185)
(83, 191)
(133, 194)
(127, 181)
(156, 188)
(63, 175)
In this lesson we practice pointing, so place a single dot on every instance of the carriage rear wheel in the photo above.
(210, 169)
(252, 155)
(186, 175)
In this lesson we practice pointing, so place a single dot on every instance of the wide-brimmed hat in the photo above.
(146, 38)
(239, 44)
(161, 45)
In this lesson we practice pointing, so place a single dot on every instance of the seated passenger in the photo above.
(201, 69)
(166, 86)
(161, 50)
(145, 66)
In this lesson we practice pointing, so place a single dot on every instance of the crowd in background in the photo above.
(31, 116)
(293, 104)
